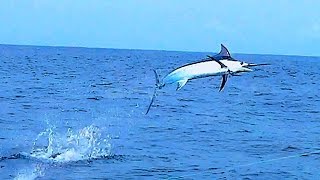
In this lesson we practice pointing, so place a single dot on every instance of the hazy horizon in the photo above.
(218, 49)
(250, 27)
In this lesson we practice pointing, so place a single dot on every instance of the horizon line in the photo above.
(190, 51)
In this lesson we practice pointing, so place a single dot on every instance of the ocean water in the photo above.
(79, 113)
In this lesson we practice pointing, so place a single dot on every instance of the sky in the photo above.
(286, 27)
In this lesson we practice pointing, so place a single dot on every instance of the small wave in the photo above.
(290, 148)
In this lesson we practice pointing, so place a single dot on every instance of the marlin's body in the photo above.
(200, 70)
(222, 64)
(194, 71)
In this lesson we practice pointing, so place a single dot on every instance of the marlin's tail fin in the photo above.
(157, 78)
(158, 85)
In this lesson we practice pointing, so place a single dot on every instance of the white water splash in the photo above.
(30, 174)
(85, 144)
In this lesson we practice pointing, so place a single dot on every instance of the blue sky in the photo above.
(248, 26)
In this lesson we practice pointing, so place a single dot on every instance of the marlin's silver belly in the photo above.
(193, 71)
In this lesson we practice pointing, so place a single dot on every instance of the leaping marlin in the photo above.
(221, 64)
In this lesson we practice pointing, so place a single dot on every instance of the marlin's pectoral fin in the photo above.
(212, 58)
(181, 83)
(218, 61)
(221, 64)
(223, 82)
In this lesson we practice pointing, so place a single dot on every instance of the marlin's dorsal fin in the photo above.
(224, 52)
(181, 83)
(218, 61)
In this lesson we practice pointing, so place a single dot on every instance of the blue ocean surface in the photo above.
(79, 113)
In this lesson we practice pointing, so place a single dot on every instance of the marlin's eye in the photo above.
(241, 63)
